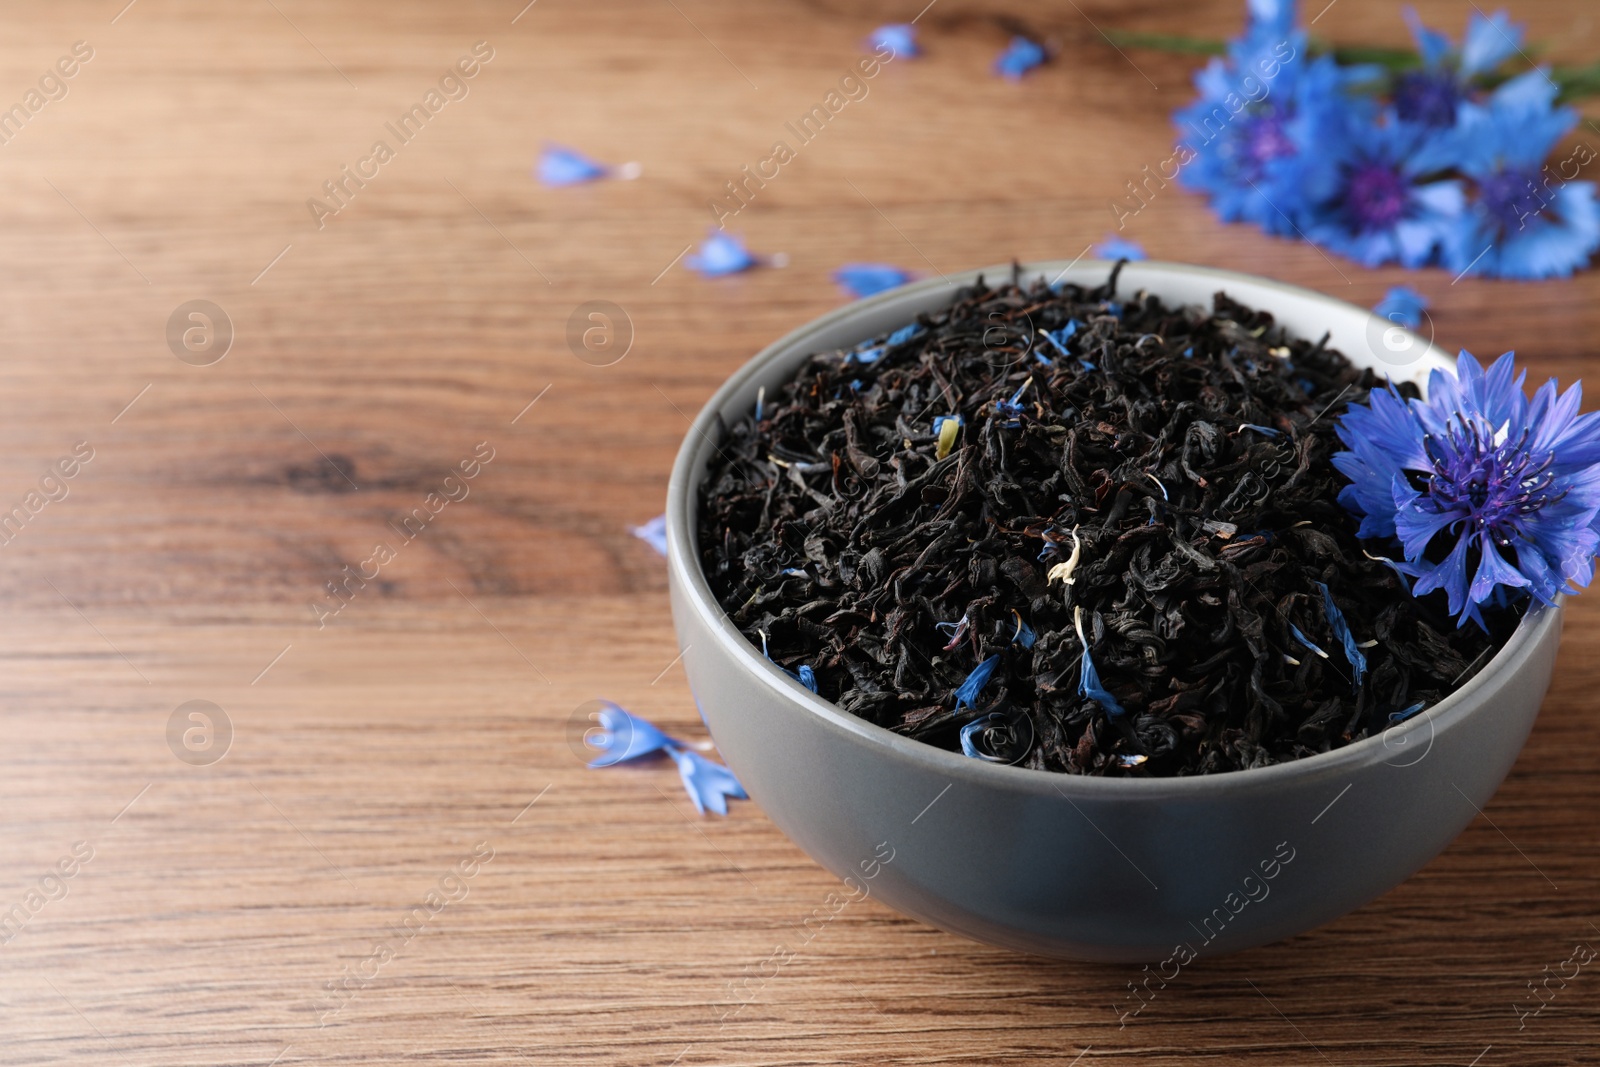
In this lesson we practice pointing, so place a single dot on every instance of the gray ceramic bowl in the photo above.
(1093, 868)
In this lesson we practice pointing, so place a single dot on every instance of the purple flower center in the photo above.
(1511, 198)
(1265, 141)
(1374, 197)
(1427, 97)
(1489, 485)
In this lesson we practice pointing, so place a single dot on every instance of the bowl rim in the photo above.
(683, 563)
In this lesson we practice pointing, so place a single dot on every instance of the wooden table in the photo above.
(263, 907)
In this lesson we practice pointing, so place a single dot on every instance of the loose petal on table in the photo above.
(866, 279)
(653, 533)
(709, 784)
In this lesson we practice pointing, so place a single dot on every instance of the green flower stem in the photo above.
(1576, 83)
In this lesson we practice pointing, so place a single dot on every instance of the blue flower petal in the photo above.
(1304, 640)
(653, 533)
(967, 692)
(1402, 306)
(1020, 56)
(808, 677)
(862, 280)
(623, 736)
(1114, 247)
(720, 254)
(1089, 686)
(564, 166)
(1489, 42)
(903, 334)
(899, 38)
(708, 784)
(1405, 713)
(1341, 630)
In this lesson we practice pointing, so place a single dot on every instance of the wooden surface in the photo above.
(371, 757)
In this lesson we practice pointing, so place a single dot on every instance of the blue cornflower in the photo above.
(1375, 201)
(1020, 56)
(1487, 491)
(1402, 306)
(1431, 96)
(967, 692)
(559, 165)
(1518, 224)
(862, 280)
(1251, 141)
(897, 37)
(1114, 247)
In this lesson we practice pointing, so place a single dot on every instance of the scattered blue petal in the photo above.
(903, 334)
(1024, 635)
(1013, 408)
(1058, 338)
(1089, 686)
(623, 736)
(999, 732)
(898, 37)
(709, 784)
(862, 280)
(564, 166)
(1341, 630)
(720, 254)
(1405, 713)
(1304, 640)
(1402, 306)
(1266, 430)
(1020, 56)
(808, 677)
(968, 747)
(865, 355)
(968, 691)
(940, 420)
(653, 533)
(1114, 247)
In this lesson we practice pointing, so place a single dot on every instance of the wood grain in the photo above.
(371, 757)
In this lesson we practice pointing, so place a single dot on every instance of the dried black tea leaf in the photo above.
(1052, 528)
